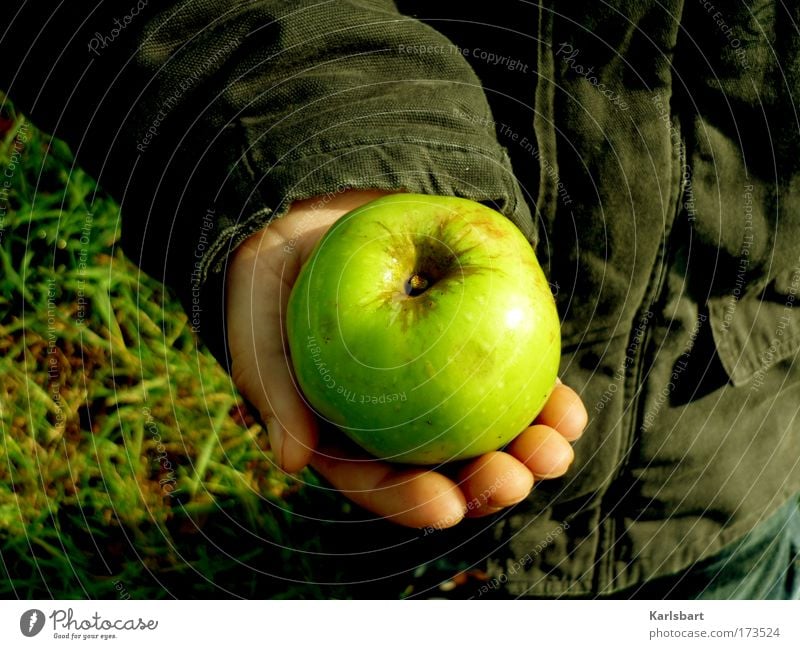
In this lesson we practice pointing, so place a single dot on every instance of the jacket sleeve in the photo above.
(205, 119)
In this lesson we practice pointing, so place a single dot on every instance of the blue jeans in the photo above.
(764, 564)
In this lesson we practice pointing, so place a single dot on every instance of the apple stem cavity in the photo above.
(416, 285)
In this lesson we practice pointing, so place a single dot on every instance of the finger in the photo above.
(492, 482)
(257, 294)
(543, 451)
(565, 412)
(407, 496)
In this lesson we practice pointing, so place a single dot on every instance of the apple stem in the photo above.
(417, 284)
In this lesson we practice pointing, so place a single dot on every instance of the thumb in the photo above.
(256, 298)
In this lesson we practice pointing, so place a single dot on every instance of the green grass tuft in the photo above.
(128, 465)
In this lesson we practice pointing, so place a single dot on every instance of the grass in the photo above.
(128, 464)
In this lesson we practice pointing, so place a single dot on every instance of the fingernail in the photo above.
(456, 515)
(559, 467)
(275, 432)
(495, 504)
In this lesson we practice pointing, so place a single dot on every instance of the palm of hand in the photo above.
(261, 274)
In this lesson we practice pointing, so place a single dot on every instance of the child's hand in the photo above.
(260, 277)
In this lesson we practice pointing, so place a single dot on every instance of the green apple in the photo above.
(424, 328)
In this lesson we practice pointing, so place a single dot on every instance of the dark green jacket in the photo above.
(648, 149)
